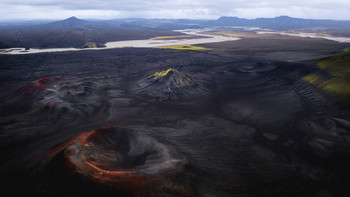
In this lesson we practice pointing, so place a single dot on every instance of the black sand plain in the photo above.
(237, 120)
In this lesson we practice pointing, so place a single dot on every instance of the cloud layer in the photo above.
(193, 9)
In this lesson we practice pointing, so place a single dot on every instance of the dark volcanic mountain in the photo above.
(72, 32)
(69, 22)
(169, 85)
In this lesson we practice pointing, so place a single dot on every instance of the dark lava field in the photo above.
(238, 120)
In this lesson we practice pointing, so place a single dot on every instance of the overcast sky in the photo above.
(193, 9)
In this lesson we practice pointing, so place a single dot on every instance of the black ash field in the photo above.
(261, 116)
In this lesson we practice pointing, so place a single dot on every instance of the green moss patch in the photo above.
(338, 67)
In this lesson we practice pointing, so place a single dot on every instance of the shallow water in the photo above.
(138, 43)
(308, 35)
(149, 43)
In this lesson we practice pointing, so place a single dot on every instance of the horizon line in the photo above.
(213, 19)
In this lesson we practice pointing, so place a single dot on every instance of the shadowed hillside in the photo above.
(333, 76)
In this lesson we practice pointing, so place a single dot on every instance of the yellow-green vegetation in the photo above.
(337, 65)
(337, 86)
(313, 78)
(239, 34)
(338, 68)
(91, 45)
(158, 75)
(185, 47)
(179, 79)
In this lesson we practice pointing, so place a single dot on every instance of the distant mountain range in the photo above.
(283, 23)
(74, 32)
